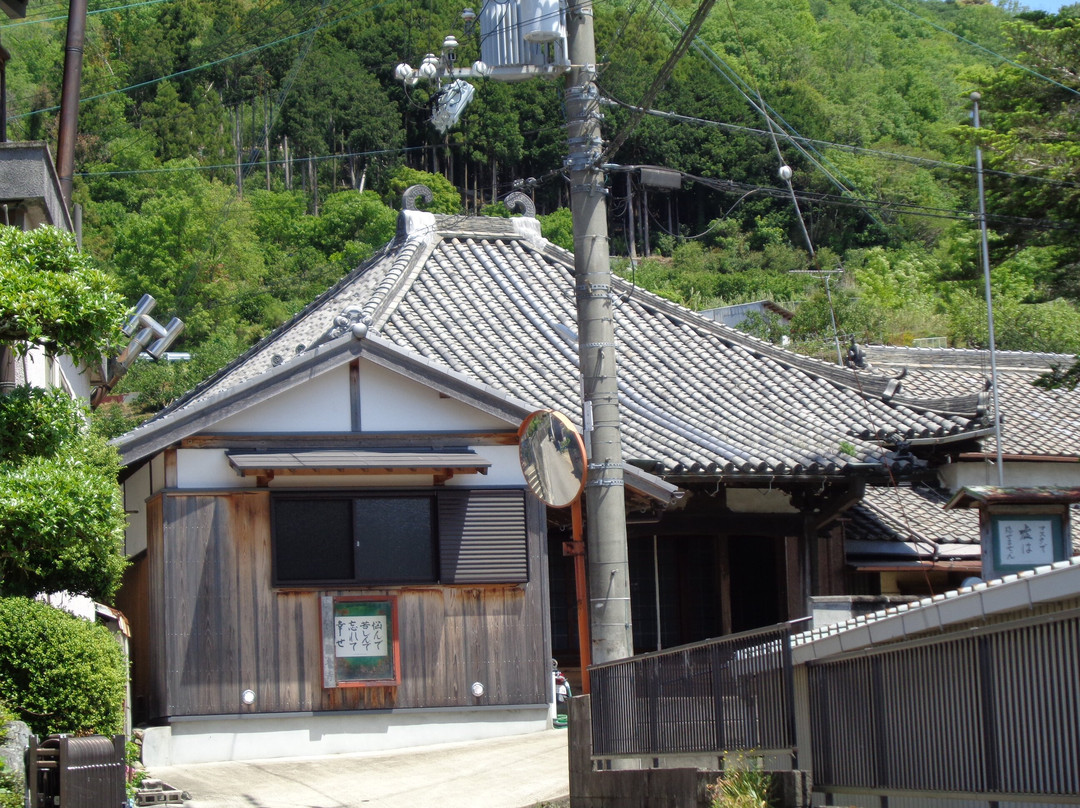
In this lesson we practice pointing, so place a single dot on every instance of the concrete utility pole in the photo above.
(609, 579)
(69, 97)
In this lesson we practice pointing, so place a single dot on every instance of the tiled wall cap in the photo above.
(415, 223)
(527, 227)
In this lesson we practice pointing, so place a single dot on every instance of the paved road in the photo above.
(513, 772)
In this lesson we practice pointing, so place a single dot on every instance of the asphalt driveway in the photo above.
(513, 772)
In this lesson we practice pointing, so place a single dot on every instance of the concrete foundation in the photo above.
(254, 737)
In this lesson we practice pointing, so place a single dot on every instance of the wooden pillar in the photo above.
(793, 604)
(725, 583)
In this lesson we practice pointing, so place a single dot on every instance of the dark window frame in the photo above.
(440, 537)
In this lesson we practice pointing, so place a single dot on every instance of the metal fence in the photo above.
(993, 713)
(726, 694)
(88, 772)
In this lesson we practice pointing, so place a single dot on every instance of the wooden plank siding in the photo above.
(219, 627)
(133, 600)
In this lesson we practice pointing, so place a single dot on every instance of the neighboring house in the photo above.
(29, 198)
(736, 315)
(902, 536)
(367, 448)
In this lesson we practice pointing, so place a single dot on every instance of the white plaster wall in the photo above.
(253, 737)
(33, 368)
(75, 379)
(505, 469)
(391, 403)
(208, 468)
(320, 404)
(1017, 475)
(136, 492)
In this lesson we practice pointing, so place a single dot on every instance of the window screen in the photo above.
(313, 540)
(395, 540)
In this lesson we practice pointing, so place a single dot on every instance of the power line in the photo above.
(981, 47)
(214, 62)
(256, 163)
(732, 77)
(859, 150)
(689, 34)
(37, 20)
(903, 208)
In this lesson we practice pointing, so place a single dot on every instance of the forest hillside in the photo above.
(236, 157)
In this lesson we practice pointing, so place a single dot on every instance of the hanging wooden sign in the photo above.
(360, 641)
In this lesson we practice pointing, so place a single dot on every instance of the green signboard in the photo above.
(1026, 541)
(360, 641)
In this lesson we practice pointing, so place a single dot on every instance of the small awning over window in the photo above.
(442, 465)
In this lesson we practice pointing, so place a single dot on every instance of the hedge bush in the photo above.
(61, 528)
(35, 422)
(60, 673)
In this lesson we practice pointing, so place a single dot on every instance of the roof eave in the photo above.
(160, 433)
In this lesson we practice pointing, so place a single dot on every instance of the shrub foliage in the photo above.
(61, 515)
(59, 673)
(51, 295)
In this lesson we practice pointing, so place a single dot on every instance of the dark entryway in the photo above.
(698, 577)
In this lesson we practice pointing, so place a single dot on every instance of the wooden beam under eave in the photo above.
(681, 523)
(351, 440)
(354, 394)
(725, 585)
(794, 580)
(171, 471)
(850, 495)
(427, 471)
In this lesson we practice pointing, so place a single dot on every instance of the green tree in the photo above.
(191, 245)
(51, 295)
(351, 226)
(61, 515)
(446, 197)
(336, 106)
(1031, 128)
(558, 228)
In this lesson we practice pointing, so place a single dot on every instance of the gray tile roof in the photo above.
(489, 300)
(1037, 422)
(913, 515)
(1021, 592)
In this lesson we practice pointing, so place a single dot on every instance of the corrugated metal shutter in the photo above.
(482, 537)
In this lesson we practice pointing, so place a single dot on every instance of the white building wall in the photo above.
(505, 469)
(321, 404)
(136, 492)
(391, 403)
(1017, 475)
(208, 468)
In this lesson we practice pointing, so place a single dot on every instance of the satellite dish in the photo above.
(552, 456)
